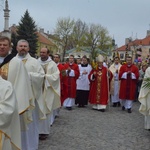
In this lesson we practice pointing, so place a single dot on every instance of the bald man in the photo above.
(51, 90)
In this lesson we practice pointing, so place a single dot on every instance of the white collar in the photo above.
(44, 62)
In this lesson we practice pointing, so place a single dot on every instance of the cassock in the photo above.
(72, 76)
(83, 85)
(99, 87)
(128, 82)
(63, 81)
(63, 91)
(144, 99)
(10, 138)
(51, 93)
(115, 83)
(36, 75)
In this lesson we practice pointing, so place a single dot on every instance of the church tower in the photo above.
(6, 31)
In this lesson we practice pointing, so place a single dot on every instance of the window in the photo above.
(121, 56)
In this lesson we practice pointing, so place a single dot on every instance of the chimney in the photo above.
(41, 30)
(148, 33)
(128, 40)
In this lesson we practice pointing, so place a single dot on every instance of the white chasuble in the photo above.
(144, 96)
(9, 118)
(36, 75)
(18, 76)
(51, 93)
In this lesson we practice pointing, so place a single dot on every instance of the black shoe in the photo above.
(114, 104)
(129, 110)
(123, 108)
(118, 104)
(148, 129)
(69, 108)
(102, 110)
(81, 106)
(43, 136)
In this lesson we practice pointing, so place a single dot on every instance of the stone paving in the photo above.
(87, 129)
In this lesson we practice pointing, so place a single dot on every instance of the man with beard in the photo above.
(51, 90)
(13, 70)
(36, 75)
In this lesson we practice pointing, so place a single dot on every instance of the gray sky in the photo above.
(122, 18)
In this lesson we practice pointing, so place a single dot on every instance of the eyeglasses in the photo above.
(56, 57)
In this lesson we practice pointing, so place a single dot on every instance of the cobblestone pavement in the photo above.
(87, 129)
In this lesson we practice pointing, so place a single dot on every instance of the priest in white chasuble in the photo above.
(36, 75)
(144, 99)
(13, 70)
(51, 90)
(9, 118)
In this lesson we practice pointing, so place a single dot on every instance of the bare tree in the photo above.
(79, 32)
(64, 29)
(97, 38)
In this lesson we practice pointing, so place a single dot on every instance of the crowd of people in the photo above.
(32, 91)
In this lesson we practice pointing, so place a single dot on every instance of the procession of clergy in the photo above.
(32, 91)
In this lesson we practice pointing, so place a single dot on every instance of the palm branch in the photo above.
(146, 82)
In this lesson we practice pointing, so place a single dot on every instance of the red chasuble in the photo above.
(71, 81)
(63, 82)
(128, 86)
(99, 90)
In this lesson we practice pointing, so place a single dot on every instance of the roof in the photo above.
(146, 41)
(44, 39)
(85, 49)
(137, 42)
(13, 29)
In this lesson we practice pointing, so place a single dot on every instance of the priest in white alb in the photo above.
(13, 70)
(10, 138)
(115, 83)
(51, 90)
(144, 99)
(36, 75)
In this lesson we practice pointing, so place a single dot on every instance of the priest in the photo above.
(144, 99)
(36, 75)
(51, 90)
(9, 117)
(100, 78)
(63, 78)
(115, 83)
(63, 85)
(13, 70)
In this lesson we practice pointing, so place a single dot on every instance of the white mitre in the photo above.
(100, 58)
